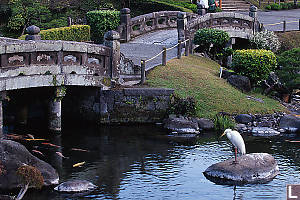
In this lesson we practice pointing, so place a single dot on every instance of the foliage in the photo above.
(256, 64)
(218, 9)
(222, 122)
(25, 13)
(101, 22)
(148, 6)
(290, 71)
(265, 40)
(198, 77)
(182, 106)
(281, 6)
(77, 33)
(207, 37)
(289, 40)
(188, 5)
(268, 7)
(275, 6)
(30, 175)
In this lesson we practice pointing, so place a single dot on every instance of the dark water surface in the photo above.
(138, 162)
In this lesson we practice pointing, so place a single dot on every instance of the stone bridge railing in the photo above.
(236, 24)
(133, 27)
(26, 64)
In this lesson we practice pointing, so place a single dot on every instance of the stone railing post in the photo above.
(200, 9)
(33, 33)
(125, 21)
(253, 14)
(112, 40)
(55, 109)
(181, 25)
(2, 98)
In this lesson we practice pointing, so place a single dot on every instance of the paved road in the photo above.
(272, 17)
(149, 45)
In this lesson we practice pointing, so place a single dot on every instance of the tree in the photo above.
(25, 13)
(29, 176)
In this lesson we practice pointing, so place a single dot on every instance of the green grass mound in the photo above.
(198, 77)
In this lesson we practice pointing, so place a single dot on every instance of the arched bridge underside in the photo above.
(27, 64)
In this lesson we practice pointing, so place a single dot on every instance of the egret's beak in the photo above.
(222, 134)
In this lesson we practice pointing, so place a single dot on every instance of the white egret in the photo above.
(237, 140)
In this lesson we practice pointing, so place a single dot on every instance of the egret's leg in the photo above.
(235, 155)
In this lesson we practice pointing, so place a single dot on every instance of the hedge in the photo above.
(140, 8)
(186, 6)
(78, 33)
(256, 64)
(282, 6)
(101, 22)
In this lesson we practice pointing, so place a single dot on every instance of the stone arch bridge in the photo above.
(29, 64)
(144, 36)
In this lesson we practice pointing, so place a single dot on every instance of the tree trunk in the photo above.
(22, 192)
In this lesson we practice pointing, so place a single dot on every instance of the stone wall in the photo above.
(128, 105)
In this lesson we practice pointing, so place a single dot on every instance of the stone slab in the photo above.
(148, 91)
(250, 168)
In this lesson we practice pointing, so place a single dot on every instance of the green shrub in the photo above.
(268, 7)
(223, 122)
(275, 6)
(290, 5)
(284, 6)
(77, 33)
(101, 22)
(207, 37)
(182, 106)
(256, 64)
(218, 9)
(290, 71)
(183, 4)
(265, 40)
(143, 7)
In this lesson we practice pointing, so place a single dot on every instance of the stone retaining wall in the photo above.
(128, 105)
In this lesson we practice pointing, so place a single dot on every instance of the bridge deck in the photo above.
(149, 45)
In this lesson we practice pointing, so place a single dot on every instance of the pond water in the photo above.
(139, 162)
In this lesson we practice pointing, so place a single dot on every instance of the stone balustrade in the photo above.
(27, 64)
(236, 24)
(133, 27)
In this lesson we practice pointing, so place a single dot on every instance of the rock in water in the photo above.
(75, 186)
(12, 156)
(250, 168)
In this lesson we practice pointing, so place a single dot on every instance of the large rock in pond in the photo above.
(290, 123)
(264, 132)
(205, 124)
(240, 82)
(244, 118)
(250, 168)
(12, 156)
(181, 125)
(75, 186)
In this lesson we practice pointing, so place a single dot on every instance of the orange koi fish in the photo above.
(60, 154)
(79, 164)
(51, 145)
(36, 151)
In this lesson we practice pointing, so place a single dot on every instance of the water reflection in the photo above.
(138, 162)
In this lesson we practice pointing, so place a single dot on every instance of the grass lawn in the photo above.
(198, 77)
